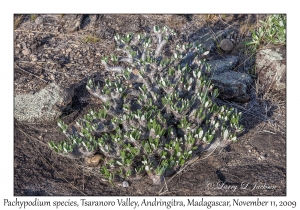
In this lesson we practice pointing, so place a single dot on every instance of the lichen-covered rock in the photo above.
(233, 85)
(271, 69)
(44, 106)
(222, 65)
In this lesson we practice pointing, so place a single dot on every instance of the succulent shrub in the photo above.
(272, 30)
(159, 111)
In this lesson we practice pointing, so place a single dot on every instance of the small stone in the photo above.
(96, 159)
(33, 58)
(26, 51)
(226, 45)
(68, 50)
(93, 161)
(125, 184)
(135, 72)
(52, 77)
(38, 20)
(261, 158)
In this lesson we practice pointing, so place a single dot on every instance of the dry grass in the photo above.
(211, 17)
(90, 39)
(246, 28)
(33, 17)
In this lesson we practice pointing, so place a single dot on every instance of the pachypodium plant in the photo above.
(158, 113)
(272, 30)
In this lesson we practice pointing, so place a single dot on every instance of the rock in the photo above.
(33, 58)
(271, 69)
(222, 65)
(205, 38)
(93, 161)
(261, 158)
(125, 184)
(52, 77)
(39, 20)
(242, 98)
(233, 85)
(45, 106)
(26, 51)
(226, 45)
(96, 159)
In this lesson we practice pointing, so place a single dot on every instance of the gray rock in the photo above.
(44, 106)
(125, 184)
(33, 58)
(26, 51)
(271, 69)
(233, 85)
(226, 64)
(206, 39)
(226, 45)
(39, 20)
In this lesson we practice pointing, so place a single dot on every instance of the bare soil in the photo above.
(255, 165)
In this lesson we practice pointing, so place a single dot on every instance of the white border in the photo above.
(216, 6)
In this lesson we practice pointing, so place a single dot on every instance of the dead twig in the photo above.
(266, 131)
(166, 186)
(30, 136)
(32, 74)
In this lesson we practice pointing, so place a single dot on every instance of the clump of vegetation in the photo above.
(158, 113)
(90, 39)
(33, 17)
(272, 30)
